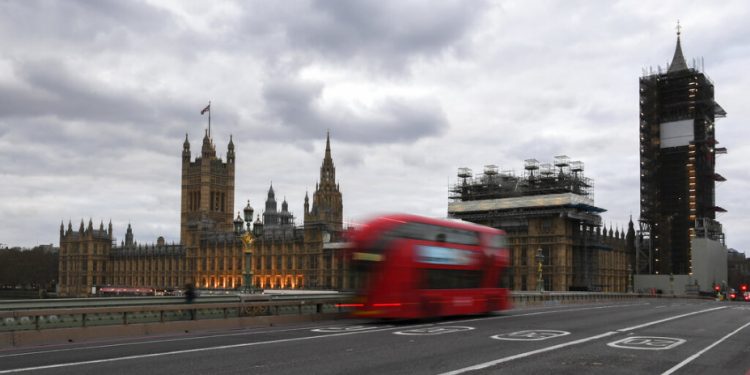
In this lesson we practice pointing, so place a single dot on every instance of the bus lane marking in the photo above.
(696, 355)
(528, 354)
(647, 343)
(498, 361)
(530, 335)
(187, 351)
(340, 329)
(431, 331)
(668, 319)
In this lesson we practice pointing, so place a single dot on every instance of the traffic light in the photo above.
(743, 287)
(717, 287)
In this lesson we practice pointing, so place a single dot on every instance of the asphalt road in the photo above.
(639, 337)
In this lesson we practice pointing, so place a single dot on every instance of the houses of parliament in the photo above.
(217, 250)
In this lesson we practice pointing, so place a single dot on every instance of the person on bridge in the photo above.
(189, 298)
(189, 293)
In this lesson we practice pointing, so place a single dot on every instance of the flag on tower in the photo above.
(207, 109)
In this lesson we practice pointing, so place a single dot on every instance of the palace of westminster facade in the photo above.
(219, 251)
(211, 253)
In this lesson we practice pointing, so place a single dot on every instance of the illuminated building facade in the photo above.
(211, 252)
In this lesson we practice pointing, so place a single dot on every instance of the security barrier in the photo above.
(47, 321)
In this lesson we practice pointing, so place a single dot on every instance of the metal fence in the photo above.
(90, 312)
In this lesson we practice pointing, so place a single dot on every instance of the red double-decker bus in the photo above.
(408, 267)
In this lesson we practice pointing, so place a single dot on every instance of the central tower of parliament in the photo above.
(211, 254)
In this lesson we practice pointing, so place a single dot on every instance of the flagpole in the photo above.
(209, 119)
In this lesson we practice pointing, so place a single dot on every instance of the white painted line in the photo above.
(88, 347)
(545, 312)
(696, 355)
(550, 348)
(530, 335)
(153, 355)
(338, 329)
(647, 343)
(668, 319)
(246, 332)
(431, 331)
(527, 354)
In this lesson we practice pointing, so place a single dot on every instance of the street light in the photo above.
(248, 211)
(238, 225)
(539, 281)
(247, 248)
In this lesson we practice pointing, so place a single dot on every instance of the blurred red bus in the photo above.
(407, 267)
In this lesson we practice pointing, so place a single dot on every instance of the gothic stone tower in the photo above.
(327, 208)
(207, 192)
(84, 258)
(678, 149)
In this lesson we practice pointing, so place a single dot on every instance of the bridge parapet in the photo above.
(47, 321)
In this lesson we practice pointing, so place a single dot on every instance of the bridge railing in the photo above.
(132, 311)
(92, 312)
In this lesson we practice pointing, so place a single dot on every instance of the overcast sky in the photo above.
(96, 98)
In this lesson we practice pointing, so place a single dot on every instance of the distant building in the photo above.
(738, 268)
(678, 149)
(548, 211)
(211, 254)
(290, 257)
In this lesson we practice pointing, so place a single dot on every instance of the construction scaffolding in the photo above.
(562, 176)
(677, 165)
(548, 209)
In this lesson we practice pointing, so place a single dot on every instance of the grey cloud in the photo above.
(58, 90)
(93, 23)
(384, 35)
(54, 96)
(393, 120)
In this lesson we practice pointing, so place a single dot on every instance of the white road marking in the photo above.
(530, 335)
(506, 359)
(570, 343)
(545, 312)
(158, 341)
(89, 347)
(431, 331)
(668, 319)
(337, 329)
(647, 343)
(527, 354)
(696, 355)
(211, 348)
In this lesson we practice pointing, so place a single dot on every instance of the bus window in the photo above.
(498, 241)
(428, 232)
(436, 278)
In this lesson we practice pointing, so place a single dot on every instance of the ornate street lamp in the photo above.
(247, 250)
(248, 211)
(539, 281)
(238, 225)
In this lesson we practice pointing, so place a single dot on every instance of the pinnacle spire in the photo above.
(678, 61)
(328, 142)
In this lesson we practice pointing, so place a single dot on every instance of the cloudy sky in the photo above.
(96, 98)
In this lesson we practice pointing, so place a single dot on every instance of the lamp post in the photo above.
(630, 279)
(247, 251)
(238, 225)
(539, 280)
(248, 211)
